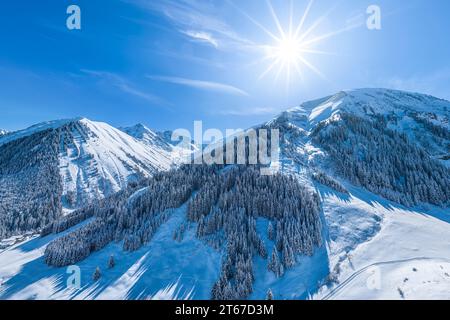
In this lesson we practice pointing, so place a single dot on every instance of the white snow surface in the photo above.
(101, 160)
(179, 151)
(163, 269)
(386, 251)
(363, 102)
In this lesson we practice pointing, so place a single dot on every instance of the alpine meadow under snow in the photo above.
(359, 208)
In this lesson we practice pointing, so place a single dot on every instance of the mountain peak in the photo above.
(53, 124)
(366, 102)
(140, 132)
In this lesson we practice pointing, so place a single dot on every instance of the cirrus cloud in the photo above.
(202, 85)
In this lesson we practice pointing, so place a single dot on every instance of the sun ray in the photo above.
(299, 71)
(256, 23)
(275, 18)
(290, 45)
(291, 16)
(261, 60)
(313, 68)
(302, 21)
(305, 50)
(332, 34)
(269, 69)
(315, 24)
(288, 79)
(280, 70)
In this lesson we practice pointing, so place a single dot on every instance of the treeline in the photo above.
(384, 161)
(328, 181)
(30, 184)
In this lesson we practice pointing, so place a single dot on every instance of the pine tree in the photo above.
(111, 262)
(275, 265)
(269, 295)
(270, 232)
(97, 274)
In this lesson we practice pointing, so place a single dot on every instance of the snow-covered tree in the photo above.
(111, 262)
(97, 274)
(269, 294)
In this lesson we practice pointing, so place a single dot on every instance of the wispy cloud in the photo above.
(203, 85)
(197, 19)
(257, 111)
(201, 36)
(123, 85)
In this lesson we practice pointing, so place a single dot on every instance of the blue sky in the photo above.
(166, 63)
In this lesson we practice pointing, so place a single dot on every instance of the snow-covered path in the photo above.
(344, 284)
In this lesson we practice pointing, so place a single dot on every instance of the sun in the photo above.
(285, 55)
(291, 47)
(288, 50)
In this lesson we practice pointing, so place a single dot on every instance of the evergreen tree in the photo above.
(270, 232)
(111, 262)
(97, 274)
(269, 295)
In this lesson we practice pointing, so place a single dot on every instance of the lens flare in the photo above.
(290, 47)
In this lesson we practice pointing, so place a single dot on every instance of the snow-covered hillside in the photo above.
(378, 249)
(97, 160)
(3, 132)
(370, 172)
(375, 246)
(179, 151)
(93, 159)
(148, 136)
(424, 119)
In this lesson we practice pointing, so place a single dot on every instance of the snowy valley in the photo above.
(359, 210)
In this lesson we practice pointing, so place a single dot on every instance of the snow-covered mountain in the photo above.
(424, 119)
(98, 160)
(148, 136)
(84, 160)
(360, 210)
(179, 151)
(3, 132)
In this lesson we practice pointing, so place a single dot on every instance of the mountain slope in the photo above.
(180, 151)
(149, 137)
(98, 160)
(75, 161)
(424, 119)
(30, 184)
(392, 143)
